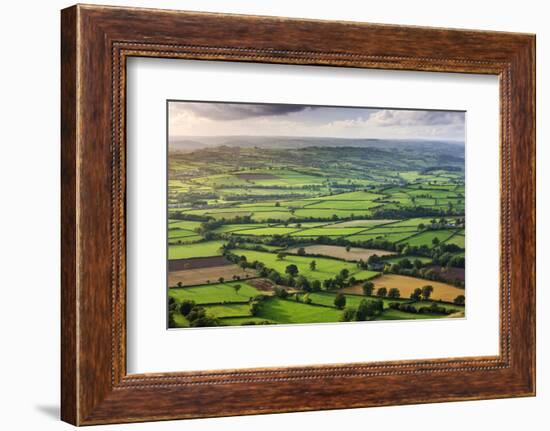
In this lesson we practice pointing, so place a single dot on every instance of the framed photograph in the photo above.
(301, 228)
(324, 214)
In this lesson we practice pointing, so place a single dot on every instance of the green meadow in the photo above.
(245, 222)
(200, 249)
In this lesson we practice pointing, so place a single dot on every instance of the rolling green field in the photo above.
(325, 267)
(327, 299)
(427, 238)
(269, 231)
(328, 231)
(320, 309)
(245, 215)
(288, 311)
(397, 259)
(229, 310)
(201, 249)
(215, 293)
(458, 239)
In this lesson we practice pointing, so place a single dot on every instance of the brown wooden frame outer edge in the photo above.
(95, 42)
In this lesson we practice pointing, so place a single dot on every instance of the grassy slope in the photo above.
(401, 315)
(315, 203)
(214, 293)
(228, 310)
(289, 311)
(327, 298)
(199, 249)
(326, 268)
(183, 224)
(238, 321)
(398, 258)
(328, 231)
(426, 238)
(445, 305)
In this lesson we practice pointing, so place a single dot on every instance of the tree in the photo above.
(255, 307)
(382, 292)
(368, 288)
(328, 283)
(417, 294)
(340, 301)
(395, 267)
(378, 305)
(368, 309)
(315, 285)
(221, 279)
(394, 293)
(292, 270)
(236, 288)
(277, 204)
(435, 241)
(363, 311)
(302, 283)
(374, 259)
(405, 263)
(312, 265)
(287, 280)
(179, 284)
(348, 248)
(281, 255)
(204, 321)
(349, 314)
(417, 263)
(280, 292)
(171, 302)
(427, 292)
(344, 273)
(171, 320)
(197, 317)
(186, 306)
(301, 251)
(339, 281)
(460, 300)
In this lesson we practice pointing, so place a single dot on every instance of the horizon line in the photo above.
(314, 137)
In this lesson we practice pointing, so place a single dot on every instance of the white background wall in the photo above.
(29, 224)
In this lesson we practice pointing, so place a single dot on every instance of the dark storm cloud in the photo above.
(235, 111)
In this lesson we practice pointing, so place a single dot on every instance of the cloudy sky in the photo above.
(226, 119)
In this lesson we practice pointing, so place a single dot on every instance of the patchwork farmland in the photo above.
(315, 234)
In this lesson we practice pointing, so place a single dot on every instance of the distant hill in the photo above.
(356, 157)
(194, 143)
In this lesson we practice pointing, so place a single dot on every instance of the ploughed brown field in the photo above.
(262, 284)
(192, 277)
(354, 254)
(449, 274)
(197, 262)
(406, 286)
